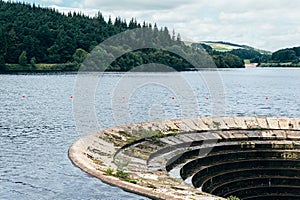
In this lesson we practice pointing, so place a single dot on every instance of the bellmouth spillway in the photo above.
(206, 158)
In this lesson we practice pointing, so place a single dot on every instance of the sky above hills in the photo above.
(267, 24)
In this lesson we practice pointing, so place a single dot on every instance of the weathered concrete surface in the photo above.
(145, 160)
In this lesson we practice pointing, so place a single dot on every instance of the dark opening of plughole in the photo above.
(249, 168)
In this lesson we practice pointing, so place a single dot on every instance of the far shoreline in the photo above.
(20, 71)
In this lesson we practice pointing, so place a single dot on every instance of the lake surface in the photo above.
(37, 119)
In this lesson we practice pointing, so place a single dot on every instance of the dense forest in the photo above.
(32, 37)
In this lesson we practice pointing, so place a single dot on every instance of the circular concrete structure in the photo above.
(206, 158)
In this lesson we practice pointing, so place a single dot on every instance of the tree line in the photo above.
(30, 34)
(288, 57)
(281, 57)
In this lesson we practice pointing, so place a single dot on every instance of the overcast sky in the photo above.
(266, 24)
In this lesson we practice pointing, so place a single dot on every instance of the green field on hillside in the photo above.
(221, 47)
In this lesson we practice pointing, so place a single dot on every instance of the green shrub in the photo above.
(121, 174)
(109, 171)
(23, 59)
(233, 198)
(131, 181)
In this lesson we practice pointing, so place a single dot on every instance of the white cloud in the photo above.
(66, 10)
(268, 24)
(52, 1)
(132, 4)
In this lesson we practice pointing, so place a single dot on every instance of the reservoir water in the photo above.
(37, 121)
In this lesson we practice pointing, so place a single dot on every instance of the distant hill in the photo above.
(227, 46)
(288, 57)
